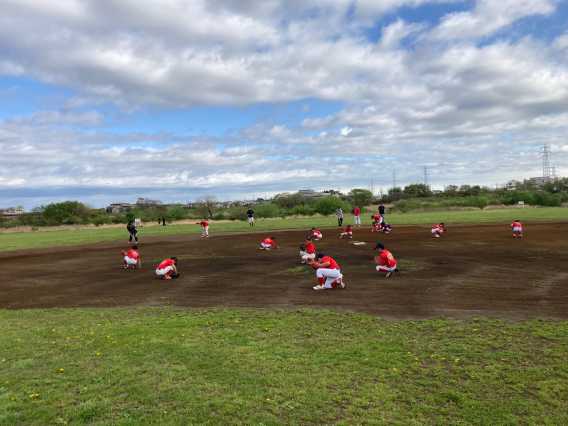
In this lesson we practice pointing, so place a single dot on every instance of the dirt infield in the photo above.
(472, 271)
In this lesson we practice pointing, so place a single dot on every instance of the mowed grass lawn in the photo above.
(28, 240)
(182, 367)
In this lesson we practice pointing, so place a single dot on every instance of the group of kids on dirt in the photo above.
(327, 269)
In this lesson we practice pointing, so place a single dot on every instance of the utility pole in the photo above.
(394, 178)
(372, 187)
(426, 175)
(545, 155)
(553, 176)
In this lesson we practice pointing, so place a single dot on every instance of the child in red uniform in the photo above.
(378, 219)
(317, 234)
(439, 229)
(385, 260)
(310, 253)
(347, 232)
(328, 269)
(357, 214)
(131, 258)
(267, 243)
(517, 229)
(204, 228)
(165, 269)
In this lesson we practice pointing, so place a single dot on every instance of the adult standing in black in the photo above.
(133, 232)
(382, 211)
(164, 221)
(250, 214)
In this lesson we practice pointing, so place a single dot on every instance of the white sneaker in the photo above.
(342, 283)
(319, 287)
(437, 236)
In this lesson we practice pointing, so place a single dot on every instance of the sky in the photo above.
(106, 101)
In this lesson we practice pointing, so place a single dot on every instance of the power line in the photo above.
(426, 175)
(545, 154)
(394, 178)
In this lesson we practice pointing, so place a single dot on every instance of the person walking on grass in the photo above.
(339, 214)
(159, 221)
(164, 221)
(357, 213)
(250, 214)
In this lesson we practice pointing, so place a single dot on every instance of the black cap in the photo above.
(134, 247)
(442, 223)
(175, 259)
(379, 245)
(320, 255)
(272, 238)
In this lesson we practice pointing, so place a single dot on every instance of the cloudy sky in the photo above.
(107, 100)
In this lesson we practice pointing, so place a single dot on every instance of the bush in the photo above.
(473, 201)
(328, 205)
(100, 217)
(219, 216)
(266, 211)
(303, 210)
(238, 213)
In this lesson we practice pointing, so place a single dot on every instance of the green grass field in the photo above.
(28, 240)
(172, 367)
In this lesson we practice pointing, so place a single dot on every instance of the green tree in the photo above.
(66, 212)
(361, 197)
(450, 191)
(418, 190)
(328, 205)
(206, 205)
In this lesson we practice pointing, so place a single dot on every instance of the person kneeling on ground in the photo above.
(131, 258)
(326, 268)
(267, 243)
(517, 229)
(347, 232)
(439, 229)
(317, 234)
(385, 260)
(307, 251)
(167, 269)
(385, 228)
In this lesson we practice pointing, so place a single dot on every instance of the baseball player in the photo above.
(307, 251)
(347, 232)
(204, 228)
(250, 214)
(378, 220)
(131, 258)
(517, 229)
(133, 233)
(357, 213)
(439, 229)
(328, 269)
(385, 260)
(267, 243)
(317, 234)
(167, 269)
(339, 214)
(385, 228)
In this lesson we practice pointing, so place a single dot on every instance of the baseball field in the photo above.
(472, 331)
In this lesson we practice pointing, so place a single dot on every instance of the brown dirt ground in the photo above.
(472, 271)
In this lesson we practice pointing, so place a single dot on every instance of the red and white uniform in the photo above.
(378, 218)
(376, 227)
(266, 243)
(317, 234)
(330, 273)
(437, 230)
(347, 232)
(204, 228)
(357, 213)
(131, 258)
(310, 252)
(165, 268)
(517, 228)
(388, 263)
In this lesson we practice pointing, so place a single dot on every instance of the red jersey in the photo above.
(133, 254)
(357, 211)
(310, 248)
(204, 223)
(516, 224)
(269, 241)
(332, 263)
(377, 217)
(387, 259)
(438, 227)
(347, 230)
(166, 263)
(317, 233)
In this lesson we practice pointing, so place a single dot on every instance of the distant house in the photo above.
(437, 191)
(11, 212)
(120, 208)
(512, 185)
(311, 193)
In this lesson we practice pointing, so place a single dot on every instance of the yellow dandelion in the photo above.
(475, 329)
(18, 340)
(266, 329)
(504, 332)
(457, 360)
(408, 353)
(416, 359)
(183, 335)
(165, 412)
(3, 360)
(380, 331)
(268, 399)
(53, 329)
(237, 321)
(98, 354)
(61, 369)
(502, 359)
(443, 359)
(108, 337)
(7, 382)
(394, 369)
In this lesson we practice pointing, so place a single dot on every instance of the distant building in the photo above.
(120, 208)
(11, 212)
(310, 193)
(437, 191)
(512, 185)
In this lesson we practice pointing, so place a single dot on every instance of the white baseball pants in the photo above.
(251, 219)
(130, 261)
(204, 231)
(384, 268)
(517, 229)
(162, 272)
(357, 220)
(346, 234)
(306, 256)
(331, 276)
(265, 246)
